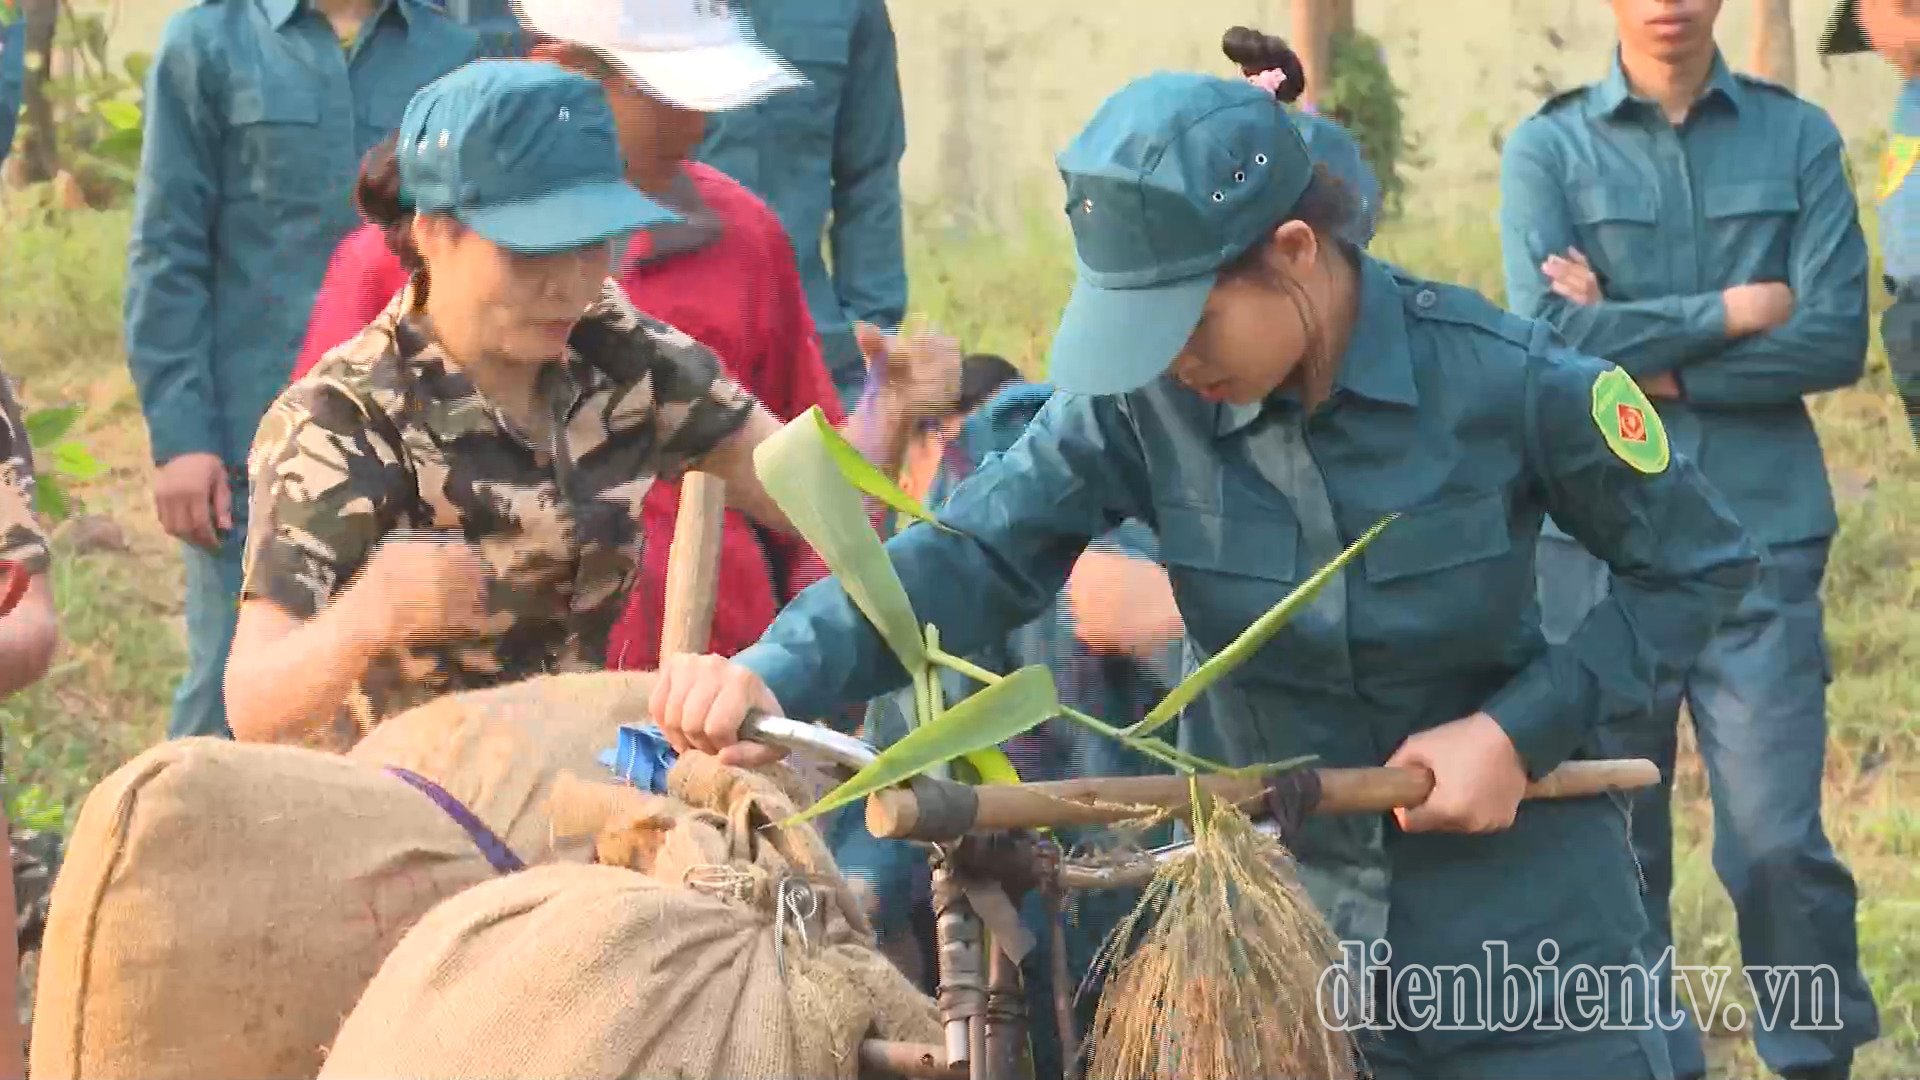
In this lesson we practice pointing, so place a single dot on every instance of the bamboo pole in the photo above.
(1311, 37)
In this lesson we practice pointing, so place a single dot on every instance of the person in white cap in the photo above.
(827, 159)
(725, 274)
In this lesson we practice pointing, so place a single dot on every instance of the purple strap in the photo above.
(496, 851)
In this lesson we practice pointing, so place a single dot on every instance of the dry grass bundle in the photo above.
(1223, 984)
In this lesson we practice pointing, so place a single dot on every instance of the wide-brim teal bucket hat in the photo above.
(524, 153)
(1174, 177)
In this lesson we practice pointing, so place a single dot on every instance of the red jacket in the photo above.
(741, 297)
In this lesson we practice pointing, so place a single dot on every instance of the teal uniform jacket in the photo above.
(1753, 188)
(256, 121)
(1471, 424)
(13, 72)
(826, 159)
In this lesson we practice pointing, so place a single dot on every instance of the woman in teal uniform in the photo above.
(1260, 393)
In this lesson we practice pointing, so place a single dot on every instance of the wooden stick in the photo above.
(693, 566)
(908, 1059)
(894, 814)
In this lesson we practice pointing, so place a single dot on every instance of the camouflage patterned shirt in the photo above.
(385, 435)
(22, 540)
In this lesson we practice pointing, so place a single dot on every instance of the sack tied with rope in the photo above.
(705, 944)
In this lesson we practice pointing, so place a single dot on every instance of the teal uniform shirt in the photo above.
(1470, 423)
(13, 71)
(256, 121)
(826, 159)
(1753, 187)
(257, 116)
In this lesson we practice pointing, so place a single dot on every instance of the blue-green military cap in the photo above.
(1844, 34)
(1175, 176)
(525, 154)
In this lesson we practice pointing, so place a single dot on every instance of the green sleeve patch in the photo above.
(1628, 422)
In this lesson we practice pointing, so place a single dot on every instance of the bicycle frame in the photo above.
(983, 1005)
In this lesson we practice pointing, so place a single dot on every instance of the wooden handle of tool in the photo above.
(693, 566)
(895, 813)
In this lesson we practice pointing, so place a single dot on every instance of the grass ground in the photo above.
(60, 282)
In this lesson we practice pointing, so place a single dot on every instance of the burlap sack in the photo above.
(498, 751)
(223, 906)
(712, 963)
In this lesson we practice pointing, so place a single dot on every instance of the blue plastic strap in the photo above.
(497, 853)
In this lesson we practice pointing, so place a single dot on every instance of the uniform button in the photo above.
(1426, 298)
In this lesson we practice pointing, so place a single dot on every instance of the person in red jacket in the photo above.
(726, 275)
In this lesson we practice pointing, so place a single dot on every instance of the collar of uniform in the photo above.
(1615, 93)
(1378, 362)
(281, 12)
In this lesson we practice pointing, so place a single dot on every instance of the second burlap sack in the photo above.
(707, 945)
(222, 906)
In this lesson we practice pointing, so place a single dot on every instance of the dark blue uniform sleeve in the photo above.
(1680, 563)
(870, 137)
(1018, 524)
(1824, 345)
(170, 259)
(1646, 337)
(13, 72)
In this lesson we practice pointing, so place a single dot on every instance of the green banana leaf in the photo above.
(1014, 705)
(992, 766)
(1252, 638)
(866, 476)
(805, 477)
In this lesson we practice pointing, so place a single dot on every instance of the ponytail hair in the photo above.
(377, 196)
(1259, 53)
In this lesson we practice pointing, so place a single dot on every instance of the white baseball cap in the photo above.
(697, 54)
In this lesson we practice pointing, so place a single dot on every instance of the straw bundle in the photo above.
(1223, 984)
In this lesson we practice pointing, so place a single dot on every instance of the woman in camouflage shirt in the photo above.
(450, 500)
(28, 634)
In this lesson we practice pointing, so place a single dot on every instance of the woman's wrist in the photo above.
(887, 406)
(362, 623)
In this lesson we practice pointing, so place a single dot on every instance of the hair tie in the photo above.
(1270, 80)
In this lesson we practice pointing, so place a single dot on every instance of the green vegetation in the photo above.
(1363, 97)
(120, 595)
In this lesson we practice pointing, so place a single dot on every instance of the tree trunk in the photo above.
(1339, 17)
(38, 150)
(1773, 41)
(1312, 30)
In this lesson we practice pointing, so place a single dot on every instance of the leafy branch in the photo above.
(61, 461)
(817, 479)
